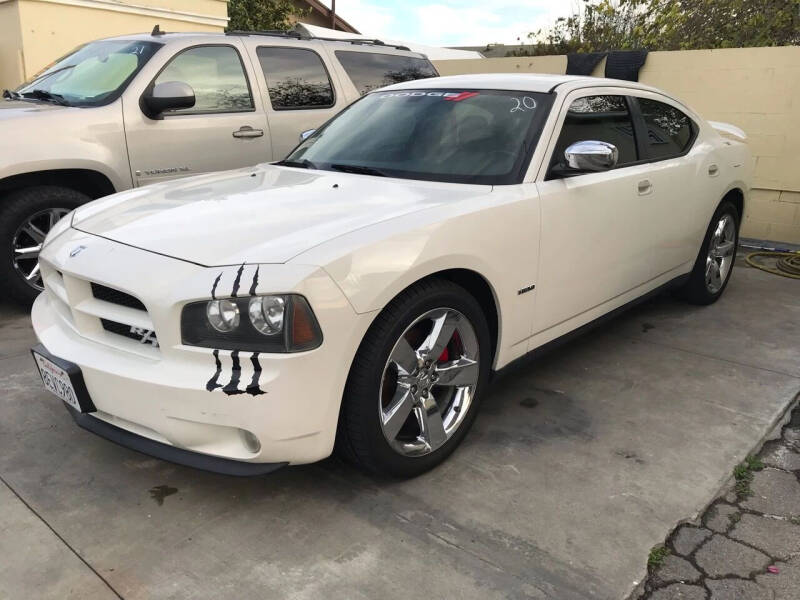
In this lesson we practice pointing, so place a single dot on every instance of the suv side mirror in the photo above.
(591, 156)
(304, 135)
(169, 95)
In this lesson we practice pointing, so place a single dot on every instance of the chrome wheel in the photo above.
(27, 243)
(721, 249)
(429, 382)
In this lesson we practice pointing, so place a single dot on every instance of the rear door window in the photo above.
(296, 78)
(669, 131)
(600, 118)
(370, 70)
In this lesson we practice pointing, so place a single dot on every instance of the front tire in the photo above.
(26, 216)
(415, 383)
(714, 265)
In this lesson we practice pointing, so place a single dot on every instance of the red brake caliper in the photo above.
(445, 356)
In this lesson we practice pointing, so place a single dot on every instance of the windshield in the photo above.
(91, 75)
(461, 136)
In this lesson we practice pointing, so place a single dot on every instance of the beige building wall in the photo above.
(757, 89)
(34, 33)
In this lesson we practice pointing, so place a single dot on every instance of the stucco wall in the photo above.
(757, 89)
(48, 29)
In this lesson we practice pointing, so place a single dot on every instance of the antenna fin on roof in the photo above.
(157, 30)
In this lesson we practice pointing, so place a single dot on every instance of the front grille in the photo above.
(141, 335)
(113, 296)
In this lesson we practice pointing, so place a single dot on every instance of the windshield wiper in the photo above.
(46, 96)
(11, 95)
(300, 164)
(358, 169)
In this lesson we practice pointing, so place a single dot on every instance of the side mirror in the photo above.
(591, 156)
(169, 95)
(306, 134)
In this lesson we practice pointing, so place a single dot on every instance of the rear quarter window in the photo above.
(669, 131)
(371, 70)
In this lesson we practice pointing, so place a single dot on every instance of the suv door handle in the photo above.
(713, 170)
(248, 132)
(644, 187)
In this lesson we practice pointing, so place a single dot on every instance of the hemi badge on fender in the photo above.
(526, 289)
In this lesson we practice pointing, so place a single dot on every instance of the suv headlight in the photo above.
(274, 323)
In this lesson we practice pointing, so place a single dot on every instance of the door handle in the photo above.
(248, 132)
(713, 170)
(644, 187)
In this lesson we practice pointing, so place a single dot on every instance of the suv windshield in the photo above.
(460, 136)
(91, 75)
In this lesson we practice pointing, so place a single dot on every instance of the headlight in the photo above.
(223, 315)
(274, 323)
(266, 314)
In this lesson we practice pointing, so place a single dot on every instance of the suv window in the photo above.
(217, 77)
(370, 70)
(669, 131)
(296, 78)
(602, 118)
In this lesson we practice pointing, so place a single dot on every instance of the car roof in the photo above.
(526, 82)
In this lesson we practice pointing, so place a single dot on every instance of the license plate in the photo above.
(58, 380)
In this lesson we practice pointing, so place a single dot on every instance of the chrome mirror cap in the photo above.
(304, 135)
(591, 155)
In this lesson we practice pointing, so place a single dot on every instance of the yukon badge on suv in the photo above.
(359, 293)
(128, 111)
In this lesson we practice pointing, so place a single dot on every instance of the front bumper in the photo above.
(158, 401)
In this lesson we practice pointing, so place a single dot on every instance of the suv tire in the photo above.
(25, 215)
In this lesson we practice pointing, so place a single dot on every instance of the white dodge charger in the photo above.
(359, 293)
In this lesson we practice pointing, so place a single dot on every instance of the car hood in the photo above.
(264, 214)
(16, 109)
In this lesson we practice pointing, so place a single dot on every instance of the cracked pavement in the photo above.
(747, 544)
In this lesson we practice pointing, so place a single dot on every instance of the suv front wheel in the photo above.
(26, 216)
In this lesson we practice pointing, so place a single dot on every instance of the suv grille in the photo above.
(108, 294)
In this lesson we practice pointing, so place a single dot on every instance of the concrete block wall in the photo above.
(757, 89)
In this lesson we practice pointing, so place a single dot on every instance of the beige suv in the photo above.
(129, 111)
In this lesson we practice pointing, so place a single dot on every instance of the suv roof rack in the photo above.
(301, 36)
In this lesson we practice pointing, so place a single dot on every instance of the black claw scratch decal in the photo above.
(236, 372)
(237, 281)
(254, 389)
(253, 285)
(232, 387)
(214, 287)
(213, 382)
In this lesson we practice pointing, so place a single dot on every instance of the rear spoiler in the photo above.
(726, 129)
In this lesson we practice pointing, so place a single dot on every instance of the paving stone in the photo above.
(720, 557)
(774, 493)
(688, 539)
(675, 568)
(784, 584)
(737, 589)
(792, 435)
(780, 456)
(679, 591)
(780, 539)
(718, 517)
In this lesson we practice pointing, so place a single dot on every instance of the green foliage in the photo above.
(602, 25)
(657, 556)
(743, 474)
(257, 15)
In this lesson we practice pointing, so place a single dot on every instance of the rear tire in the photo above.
(395, 373)
(25, 217)
(714, 265)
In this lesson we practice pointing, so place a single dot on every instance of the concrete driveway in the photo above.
(578, 464)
